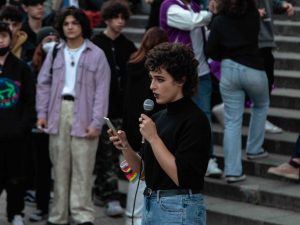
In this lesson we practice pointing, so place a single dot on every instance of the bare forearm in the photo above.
(133, 159)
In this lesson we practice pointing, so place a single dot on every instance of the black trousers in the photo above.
(42, 170)
(269, 61)
(12, 177)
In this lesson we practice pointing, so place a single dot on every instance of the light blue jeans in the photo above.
(236, 81)
(174, 210)
(203, 100)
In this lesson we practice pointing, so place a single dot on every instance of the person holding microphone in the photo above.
(175, 155)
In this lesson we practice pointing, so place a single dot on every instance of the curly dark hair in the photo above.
(80, 16)
(236, 8)
(112, 8)
(179, 61)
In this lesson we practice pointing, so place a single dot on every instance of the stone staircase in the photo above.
(262, 199)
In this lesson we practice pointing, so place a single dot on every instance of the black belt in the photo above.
(165, 193)
(68, 97)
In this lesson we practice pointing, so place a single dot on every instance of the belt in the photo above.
(165, 193)
(68, 97)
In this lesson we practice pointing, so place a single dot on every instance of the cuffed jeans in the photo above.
(236, 81)
(73, 163)
(174, 210)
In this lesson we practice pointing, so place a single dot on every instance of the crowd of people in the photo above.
(58, 81)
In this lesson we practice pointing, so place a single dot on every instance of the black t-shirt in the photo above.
(185, 130)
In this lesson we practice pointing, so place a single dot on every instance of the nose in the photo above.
(152, 85)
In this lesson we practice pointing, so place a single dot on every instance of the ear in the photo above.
(24, 8)
(181, 82)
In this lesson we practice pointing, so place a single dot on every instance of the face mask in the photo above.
(3, 51)
(48, 46)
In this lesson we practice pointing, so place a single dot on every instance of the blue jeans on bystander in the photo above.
(238, 80)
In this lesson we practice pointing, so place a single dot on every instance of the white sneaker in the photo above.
(213, 169)
(136, 221)
(218, 111)
(17, 220)
(114, 208)
(271, 128)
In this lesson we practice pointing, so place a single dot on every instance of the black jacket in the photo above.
(17, 98)
(117, 53)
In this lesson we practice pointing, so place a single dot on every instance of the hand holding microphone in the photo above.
(145, 121)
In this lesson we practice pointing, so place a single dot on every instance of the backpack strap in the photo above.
(54, 53)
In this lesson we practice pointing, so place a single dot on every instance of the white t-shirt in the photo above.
(71, 62)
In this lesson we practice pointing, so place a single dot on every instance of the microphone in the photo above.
(148, 106)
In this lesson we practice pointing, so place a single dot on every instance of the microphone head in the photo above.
(148, 105)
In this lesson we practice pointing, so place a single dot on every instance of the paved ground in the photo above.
(101, 218)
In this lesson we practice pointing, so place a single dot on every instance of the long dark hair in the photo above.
(152, 37)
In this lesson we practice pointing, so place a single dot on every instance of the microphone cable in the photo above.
(138, 184)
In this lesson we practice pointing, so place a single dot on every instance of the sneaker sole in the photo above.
(237, 180)
(258, 156)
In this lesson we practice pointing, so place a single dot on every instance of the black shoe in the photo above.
(86, 223)
(49, 223)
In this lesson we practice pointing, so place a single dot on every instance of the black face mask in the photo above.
(3, 51)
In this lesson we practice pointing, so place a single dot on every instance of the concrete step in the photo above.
(285, 98)
(257, 191)
(295, 17)
(282, 144)
(287, 27)
(225, 212)
(287, 60)
(287, 79)
(137, 21)
(287, 43)
(287, 119)
(257, 167)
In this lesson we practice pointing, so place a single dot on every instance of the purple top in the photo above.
(174, 34)
(91, 88)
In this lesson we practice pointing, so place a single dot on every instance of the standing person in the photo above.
(136, 91)
(17, 93)
(153, 19)
(117, 49)
(176, 151)
(233, 39)
(70, 107)
(266, 42)
(47, 38)
(13, 16)
(184, 22)
(31, 25)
